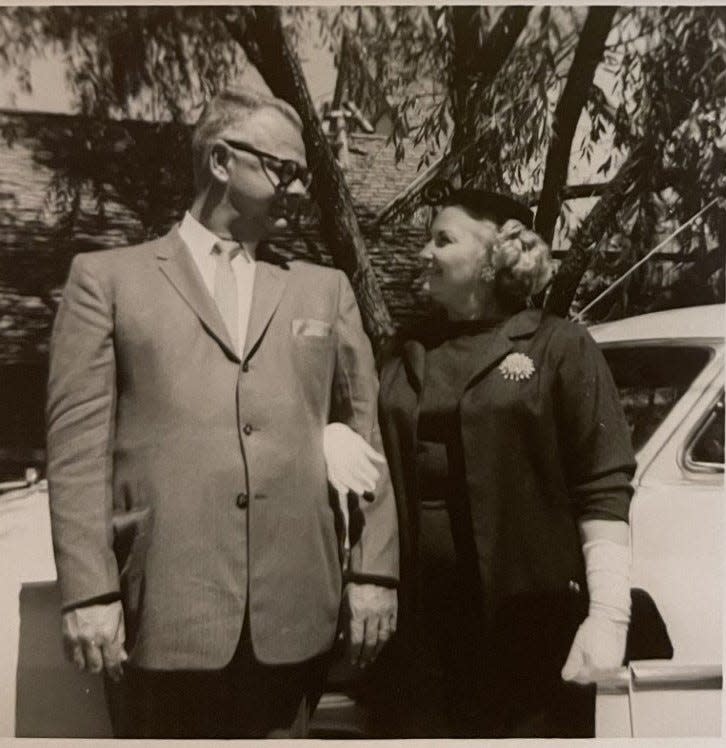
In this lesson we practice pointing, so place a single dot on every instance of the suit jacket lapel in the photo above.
(492, 351)
(270, 281)
(177, 264)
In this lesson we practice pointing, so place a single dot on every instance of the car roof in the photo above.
(691, 323)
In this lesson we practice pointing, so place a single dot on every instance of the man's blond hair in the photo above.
(231, 107)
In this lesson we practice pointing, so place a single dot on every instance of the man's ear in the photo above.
(219, 158)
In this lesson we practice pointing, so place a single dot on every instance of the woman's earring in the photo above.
(488, 273)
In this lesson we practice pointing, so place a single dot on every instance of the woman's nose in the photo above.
(426, 253)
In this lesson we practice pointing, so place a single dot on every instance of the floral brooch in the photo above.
(516, 367)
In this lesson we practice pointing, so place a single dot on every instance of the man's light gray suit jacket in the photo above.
(214, 460)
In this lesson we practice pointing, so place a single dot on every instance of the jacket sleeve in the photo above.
(80, 420)
(597, 451)
(375, 557)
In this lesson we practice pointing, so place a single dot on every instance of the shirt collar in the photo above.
(201, 240)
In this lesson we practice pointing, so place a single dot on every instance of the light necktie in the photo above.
(225, 288)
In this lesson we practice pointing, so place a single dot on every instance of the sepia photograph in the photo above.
(362, 371)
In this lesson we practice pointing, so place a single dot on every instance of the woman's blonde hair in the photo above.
(517, 259)
(521, 260)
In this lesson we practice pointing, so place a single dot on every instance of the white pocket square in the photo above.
(314, 328)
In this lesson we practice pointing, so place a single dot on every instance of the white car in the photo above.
(669, 370)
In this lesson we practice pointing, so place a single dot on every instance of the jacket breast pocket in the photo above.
(313, 361)
(309, 328)
(313, 348)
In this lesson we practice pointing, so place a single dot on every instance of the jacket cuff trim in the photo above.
(377, 579)
(106, 599)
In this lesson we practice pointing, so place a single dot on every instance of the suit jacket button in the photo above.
(242, 500)
(245, 367)
(247, 429)
(573, 586)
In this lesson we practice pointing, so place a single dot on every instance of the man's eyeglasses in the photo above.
(286, 170)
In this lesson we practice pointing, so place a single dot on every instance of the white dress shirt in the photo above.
(201, 241)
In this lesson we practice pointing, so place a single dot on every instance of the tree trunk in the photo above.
(266, 46)
(466, 28)
(589, 52)
(478, 61)
(340, 81)
(592, 229)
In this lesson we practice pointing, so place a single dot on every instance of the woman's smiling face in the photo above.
(454, 256)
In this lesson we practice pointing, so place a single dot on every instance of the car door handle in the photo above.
(613, 681)
(655, 675)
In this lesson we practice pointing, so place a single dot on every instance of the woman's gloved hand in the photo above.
(352, 467)
(599, 646)
(351, 462)
(599, 643)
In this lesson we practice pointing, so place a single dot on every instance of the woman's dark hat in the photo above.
(479, 202)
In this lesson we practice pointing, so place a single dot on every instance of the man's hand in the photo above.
(372, 611)
(350, 460)
(93, 638)
(598, 647)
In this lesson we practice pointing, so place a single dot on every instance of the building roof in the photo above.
(373, 176)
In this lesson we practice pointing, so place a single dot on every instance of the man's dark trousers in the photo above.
(246, 699)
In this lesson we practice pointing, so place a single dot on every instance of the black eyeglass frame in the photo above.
(289, 170)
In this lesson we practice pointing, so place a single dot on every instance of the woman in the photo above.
(510, 415)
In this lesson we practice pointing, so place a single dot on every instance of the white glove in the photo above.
(350, 460)
(351, 463)
(599, 643)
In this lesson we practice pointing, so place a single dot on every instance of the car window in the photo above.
(651, 379)
(706, 449)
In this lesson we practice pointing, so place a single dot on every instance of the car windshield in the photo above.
(651, 379)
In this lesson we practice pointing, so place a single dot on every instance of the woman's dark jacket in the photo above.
(540, 453)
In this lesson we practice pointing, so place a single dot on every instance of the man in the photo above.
(189, 392)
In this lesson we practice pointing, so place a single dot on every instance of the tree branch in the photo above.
(593, 227)
(265, 44)
(487, 59)
(665, 178)
(588, 55)
(666, 119)
(484, 62)
(478, 62)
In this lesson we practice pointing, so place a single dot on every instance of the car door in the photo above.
(676, 535)
(677, 527)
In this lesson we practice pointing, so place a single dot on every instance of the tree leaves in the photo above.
(605, 167)
(161, 62)
(127, 60)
